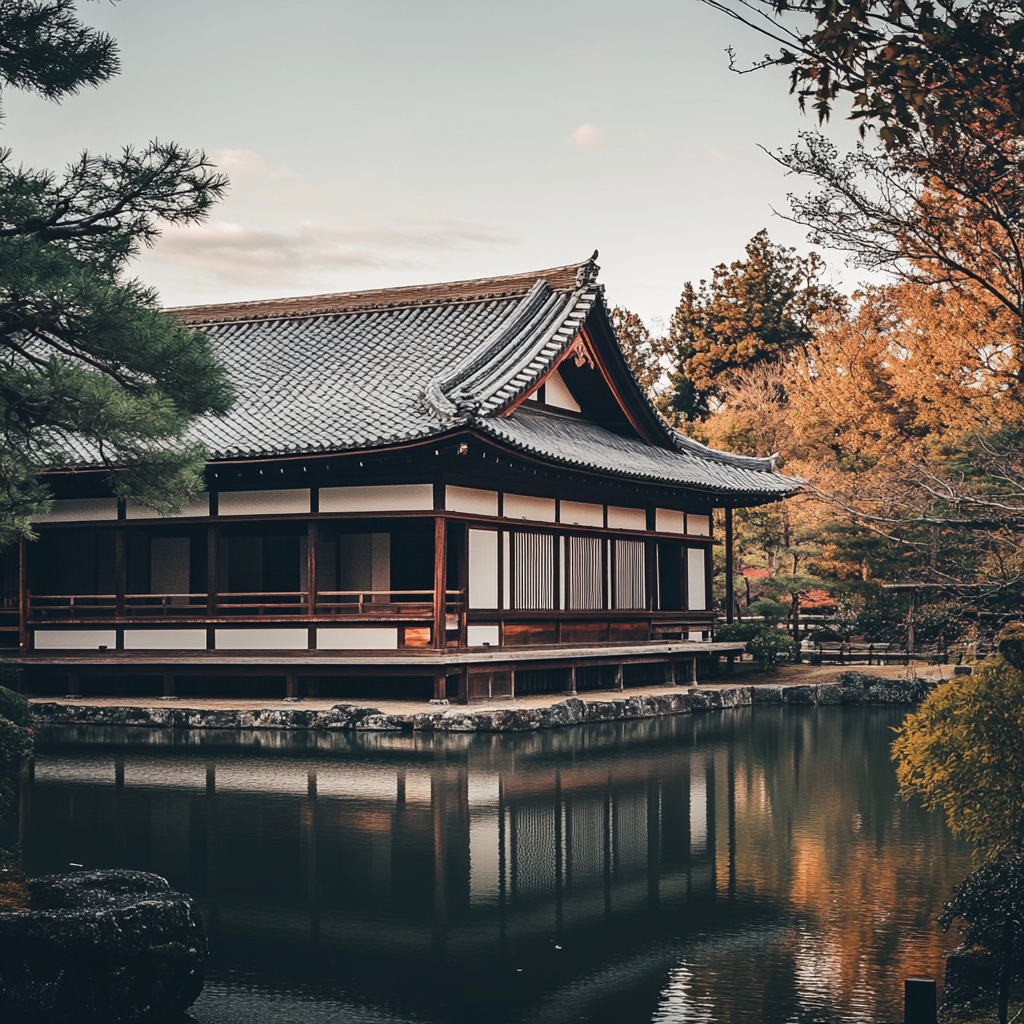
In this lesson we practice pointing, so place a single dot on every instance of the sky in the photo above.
(374, 143)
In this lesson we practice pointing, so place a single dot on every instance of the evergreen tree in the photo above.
(91, 371)
(756, 310)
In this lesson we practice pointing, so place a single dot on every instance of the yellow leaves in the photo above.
(956, 753)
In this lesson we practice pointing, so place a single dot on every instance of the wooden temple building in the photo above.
(458, 485)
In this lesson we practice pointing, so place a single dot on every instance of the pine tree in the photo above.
(91, 370)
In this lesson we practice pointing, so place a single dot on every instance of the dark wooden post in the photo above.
(168, 685)
(212, 536)
(464, 586)
(651, 564)
(22, 599)
(312, 536)
(440, 604)
(291, 686)
(730, 597)
(120, 583)
(919, 1002)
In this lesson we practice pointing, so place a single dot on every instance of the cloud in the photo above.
(588, 136)
(241, 254)
(246, 163)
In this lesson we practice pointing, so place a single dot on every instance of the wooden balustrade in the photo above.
(333, 604)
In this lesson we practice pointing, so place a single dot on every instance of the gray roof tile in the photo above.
(369, 369)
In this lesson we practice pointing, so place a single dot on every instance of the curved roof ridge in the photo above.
(561, 279)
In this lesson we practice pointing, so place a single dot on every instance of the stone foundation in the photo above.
(853, 688)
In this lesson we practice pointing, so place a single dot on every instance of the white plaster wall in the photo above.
(73, 510)
(357, 638)
(699, 526)
(483, 569)
(262, 640)
(165, 639)
(521, 506)
(696, 591)
(667, 520)
(74, 639)
(557, 394)
(263, 503)
(389, 498)
(482, 636)
(581, 513)
(471, 501)
(620, 518)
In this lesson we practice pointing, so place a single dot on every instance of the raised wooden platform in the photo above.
(482, 673)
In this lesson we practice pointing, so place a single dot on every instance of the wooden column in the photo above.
(120, 583)
(312, 536)
(464, 585)
(168, 685)
(730, 597)
(651, 564)
(440, 561)
(23, 603)
(212, 537)
(291, 686)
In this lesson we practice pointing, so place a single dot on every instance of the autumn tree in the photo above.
(754, 311)
(643, 351)
(91, 370)
(909, 68)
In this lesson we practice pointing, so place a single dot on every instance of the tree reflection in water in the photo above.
(752, 865)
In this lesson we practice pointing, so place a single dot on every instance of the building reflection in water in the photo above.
(752, 865)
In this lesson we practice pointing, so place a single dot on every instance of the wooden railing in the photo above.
(330, 604)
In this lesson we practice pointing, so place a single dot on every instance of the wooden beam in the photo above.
(440, 581)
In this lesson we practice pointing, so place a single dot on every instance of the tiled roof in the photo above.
(575, 442)
(369, 369)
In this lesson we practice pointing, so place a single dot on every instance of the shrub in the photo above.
(773, 612)
(991, 902)
(961, 752)
(940, 623)
(14, 708)
(768, 646)
(738, 632)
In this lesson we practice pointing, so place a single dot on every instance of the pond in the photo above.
(750, 865)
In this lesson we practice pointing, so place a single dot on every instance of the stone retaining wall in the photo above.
(853, 688)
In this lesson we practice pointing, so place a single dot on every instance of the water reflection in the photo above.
(754, 865)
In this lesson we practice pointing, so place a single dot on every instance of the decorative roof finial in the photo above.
(587, 272)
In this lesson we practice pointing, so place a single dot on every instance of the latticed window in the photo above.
(584, 573)
(628, 574)
(533, 571)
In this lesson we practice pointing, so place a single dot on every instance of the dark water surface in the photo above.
(749, 865)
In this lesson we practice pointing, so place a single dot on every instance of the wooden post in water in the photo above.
(919, 1001)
